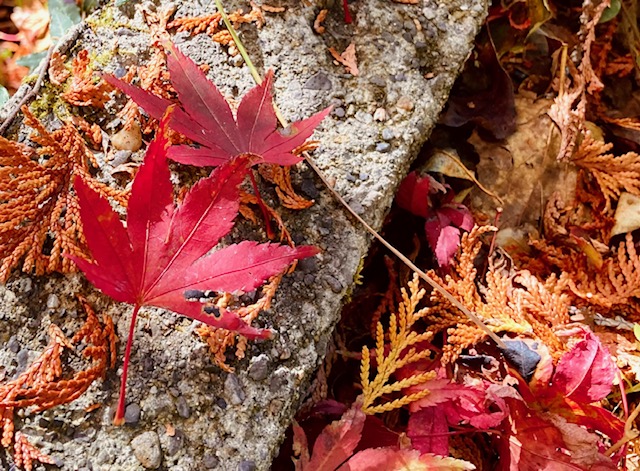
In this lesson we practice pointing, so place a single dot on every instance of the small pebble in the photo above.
(378, 80)
(383, 147)
(279, 381)
(183, 408)
(363, 117)
(350, 177)
(407, 37)
(120, 71)
(247, 465)
(339, 112)
(363, 176)
(146, 448)
(120, 157)
(13, 344)
(222, 404)
(309, 188)
(132, 414)
(318, 81)
(210, 461)
(22, 357)
(308, 265)
(26, 285)
(233, 390)
(380, 115)
(309, 280)
(259, 368)
(128, 138)
(388, 134)
(333, 283)
(175, 443)
(53, 302)
(400, 77)
(405, 103)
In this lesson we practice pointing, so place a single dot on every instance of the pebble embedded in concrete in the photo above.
(233, 389)
(132, 414)
(146, 448)
(259, 367)
(383, 147)
(183, 408)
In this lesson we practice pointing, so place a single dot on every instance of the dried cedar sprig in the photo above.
(43, 385)
(39, 217)
(613, 174)
(220, 341)
(86, 88)
(506, 300)
(403, 348)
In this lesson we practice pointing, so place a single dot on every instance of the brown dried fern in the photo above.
(612, 174)
(507, 301)
(39, 214)
(42, 385)
(616, 286)
(403, 348)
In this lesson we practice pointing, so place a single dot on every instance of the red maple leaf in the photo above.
(444, 218)
(335, 446)
(584, 376)
(204, 116)
(164, 250)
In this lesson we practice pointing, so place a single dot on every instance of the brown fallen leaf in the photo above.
(347, 59)
(522, 169)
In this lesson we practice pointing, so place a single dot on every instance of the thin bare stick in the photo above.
(30, 94)
(430, 281)
(470, 175)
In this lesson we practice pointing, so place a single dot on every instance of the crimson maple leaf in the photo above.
(206, 118)
(164, 250)
(444, 218)
(335, 446)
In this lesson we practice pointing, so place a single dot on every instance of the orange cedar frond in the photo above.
(212, 24)
(37, 204)
(613, 174)
(220, 340)
(86, 89)
(616, 285)
(58, 72)
(42, 385)
(506, 300)
(25, 454)
(281, 177)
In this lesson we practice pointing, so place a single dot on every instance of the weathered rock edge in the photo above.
(408, 56)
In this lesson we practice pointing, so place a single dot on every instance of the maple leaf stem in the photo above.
(119, 418)
(347, 15)
(265, 213)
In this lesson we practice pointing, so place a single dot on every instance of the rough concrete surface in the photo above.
(408, 56)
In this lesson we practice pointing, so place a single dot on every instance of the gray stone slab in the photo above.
(409, 56)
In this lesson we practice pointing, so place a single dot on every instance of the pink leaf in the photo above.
(337, 441)
(586, 372)
(428, 431)
(389, 459)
